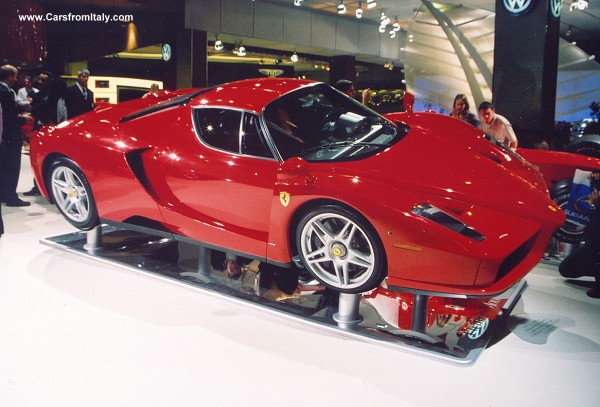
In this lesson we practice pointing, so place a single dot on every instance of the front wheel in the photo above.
(341, 250)
(72, 194)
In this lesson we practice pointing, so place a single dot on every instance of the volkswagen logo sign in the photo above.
(556, 7)
(166, 52)
(517, 7)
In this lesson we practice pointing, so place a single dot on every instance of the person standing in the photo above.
(460, 110)
(11, 137)
(80, 99)
(497, 126)
(25, 94)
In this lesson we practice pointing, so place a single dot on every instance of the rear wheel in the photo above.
(72, 194)
(341, 249)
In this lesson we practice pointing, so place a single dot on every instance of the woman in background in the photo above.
(460, 110)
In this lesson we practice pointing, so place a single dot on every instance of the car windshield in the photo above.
(318, 123)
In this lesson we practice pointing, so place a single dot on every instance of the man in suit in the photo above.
(12, 141)
(79, 98)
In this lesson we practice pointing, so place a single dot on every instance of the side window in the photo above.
(253, 139)
(219, 128)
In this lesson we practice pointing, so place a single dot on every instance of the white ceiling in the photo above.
(580, 26)
(585, 25)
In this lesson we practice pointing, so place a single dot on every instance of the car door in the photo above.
(221, 174)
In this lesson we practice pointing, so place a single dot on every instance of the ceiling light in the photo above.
(241, 51)
(392, 33)
(294, 57)
(371, 4)
(396, 25)
(579, 5)
(359, 10)
(297, 3)
(218, 44)
(341, 8)
(385, 20)
(382, 28)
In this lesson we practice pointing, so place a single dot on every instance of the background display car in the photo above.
(294, 173)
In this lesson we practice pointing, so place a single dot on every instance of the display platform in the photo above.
(448, 329)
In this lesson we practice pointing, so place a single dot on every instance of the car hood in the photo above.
(445, 157)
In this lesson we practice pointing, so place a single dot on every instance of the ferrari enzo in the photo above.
(294, 173)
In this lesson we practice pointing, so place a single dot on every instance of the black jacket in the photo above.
(76, 104)
(10, 115)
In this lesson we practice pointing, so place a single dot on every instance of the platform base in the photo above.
(447, 329)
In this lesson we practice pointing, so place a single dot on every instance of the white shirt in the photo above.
(22, 98)
(500, 129)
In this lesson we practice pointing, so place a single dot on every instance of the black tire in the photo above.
(341, 249)
(72, 194)
(568, 232)
(586, 145)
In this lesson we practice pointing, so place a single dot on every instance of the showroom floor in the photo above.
(78, 332)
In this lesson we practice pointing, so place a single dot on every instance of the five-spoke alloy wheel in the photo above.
(72, 194)
(341, 249)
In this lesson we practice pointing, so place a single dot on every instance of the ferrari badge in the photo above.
(284, 198)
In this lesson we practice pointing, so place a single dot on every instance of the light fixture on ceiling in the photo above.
(359, 10)
(396, 25)
(241, 50)
(341, 8)
(384, 20)
(371, 4)
(392, 33)
(294, 57)
(297, 3)
(389, 65)
(579, 5)
(218, 44)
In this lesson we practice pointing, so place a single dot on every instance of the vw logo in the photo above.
(556, 7)
(517, 7)
(478, 328)
(166, 52)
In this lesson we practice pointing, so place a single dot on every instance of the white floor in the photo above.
(77, 332)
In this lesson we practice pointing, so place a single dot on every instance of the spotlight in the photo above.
(294, 57)
(579, 5)
(241, 51)
(384, 20)
(341, 8)
(371, 4)
(359, 10)
(218, 44)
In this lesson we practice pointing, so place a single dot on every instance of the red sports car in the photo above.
(294, 173)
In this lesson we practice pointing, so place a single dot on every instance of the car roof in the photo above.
(249, 94)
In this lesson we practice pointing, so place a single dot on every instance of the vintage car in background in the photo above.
(294, 173)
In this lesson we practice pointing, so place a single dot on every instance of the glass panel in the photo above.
(320, 124)
(219, 128)
(253, 139)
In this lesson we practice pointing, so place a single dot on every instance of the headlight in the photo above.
(446, 220)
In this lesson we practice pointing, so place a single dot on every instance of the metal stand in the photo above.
(419, 316)
(204, 261)
(93, 239)
(347, 315)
